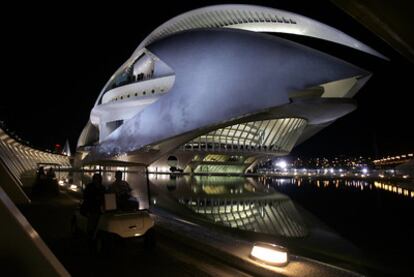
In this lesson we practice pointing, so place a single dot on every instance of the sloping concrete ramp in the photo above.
(22, 251)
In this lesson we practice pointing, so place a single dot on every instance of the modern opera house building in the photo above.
(217, 89)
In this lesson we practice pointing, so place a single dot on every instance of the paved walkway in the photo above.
(51, 217)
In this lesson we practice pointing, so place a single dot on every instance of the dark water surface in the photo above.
(376, 217)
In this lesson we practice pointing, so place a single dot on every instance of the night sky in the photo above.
(58, 58)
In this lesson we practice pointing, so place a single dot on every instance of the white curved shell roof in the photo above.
(254, 18)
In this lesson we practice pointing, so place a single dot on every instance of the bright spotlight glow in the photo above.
(281, 164)
(270, 254)
(74, 187)
(365, 170)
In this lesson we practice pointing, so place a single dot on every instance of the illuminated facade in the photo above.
(216, 88)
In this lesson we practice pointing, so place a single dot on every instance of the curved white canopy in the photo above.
(257, 19)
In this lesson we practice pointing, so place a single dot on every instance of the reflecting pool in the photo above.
(334, 216)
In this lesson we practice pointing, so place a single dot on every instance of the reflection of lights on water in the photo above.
(393, 189)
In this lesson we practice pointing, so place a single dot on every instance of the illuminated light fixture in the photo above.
(61, 182)
(74, 187)
(281, 164)
(270, 254)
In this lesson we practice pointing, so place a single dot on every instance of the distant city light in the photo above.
(365, 170)
(281, 164)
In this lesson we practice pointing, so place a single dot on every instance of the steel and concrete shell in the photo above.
(213, 81)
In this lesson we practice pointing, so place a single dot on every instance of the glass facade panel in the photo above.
(275, 135)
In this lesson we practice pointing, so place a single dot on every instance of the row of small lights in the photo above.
(395, 158)
(342, 173)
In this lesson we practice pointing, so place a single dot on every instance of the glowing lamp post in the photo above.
(270, 254)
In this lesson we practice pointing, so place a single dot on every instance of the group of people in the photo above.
(93, 198)
(45, 183)
(93, 195)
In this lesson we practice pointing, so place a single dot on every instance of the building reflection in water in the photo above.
(253, 205)
(236, 202)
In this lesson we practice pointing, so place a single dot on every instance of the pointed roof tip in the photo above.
(66, 148)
